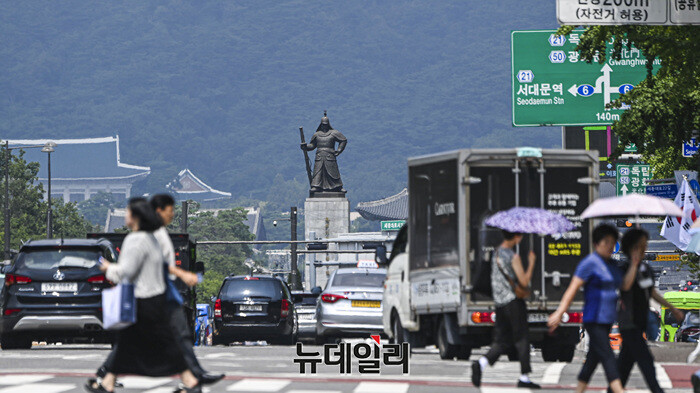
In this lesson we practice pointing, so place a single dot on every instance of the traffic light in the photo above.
(317, 246)
(624, 224)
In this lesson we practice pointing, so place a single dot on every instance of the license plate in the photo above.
(366, 303)
(250, 307)
(306, 317)
(537, 317)
(59, 287)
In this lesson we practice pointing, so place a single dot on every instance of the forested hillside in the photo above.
(222, 87)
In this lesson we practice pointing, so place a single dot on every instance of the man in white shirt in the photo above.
(164, 204)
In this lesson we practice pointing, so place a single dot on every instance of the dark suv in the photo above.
(252, 308)
(52, 293)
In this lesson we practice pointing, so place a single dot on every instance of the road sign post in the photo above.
(549, 89)
(632, 179)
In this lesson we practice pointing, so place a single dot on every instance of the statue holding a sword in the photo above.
(325, 178)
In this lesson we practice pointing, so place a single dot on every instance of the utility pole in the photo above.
(49, 215)
(183, 224)
(293, 219)
(7, 200)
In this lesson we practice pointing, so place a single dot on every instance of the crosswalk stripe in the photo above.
(313, 391)
(165, 389)
(22, 379)
(662, 377)
(504, 390)
(259, 385)
(381, 387)
(553, 373)
(133, 382)
(39, 388)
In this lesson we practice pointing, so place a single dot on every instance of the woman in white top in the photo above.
(148, 346)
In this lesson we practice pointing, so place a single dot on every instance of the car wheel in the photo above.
(398, 330)
(447, 350)
(8, 342)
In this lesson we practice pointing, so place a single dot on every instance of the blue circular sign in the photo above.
(585, 90)
(625, 88)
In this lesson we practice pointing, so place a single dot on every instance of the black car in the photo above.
(52, 293)
(250, 308)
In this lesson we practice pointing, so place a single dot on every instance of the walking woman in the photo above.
(511, 326)
(637, 288)
(147, 347)
(600, 278)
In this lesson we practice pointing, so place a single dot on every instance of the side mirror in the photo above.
(199, 267)
(213, 299)
(316, 291)
(380, 255)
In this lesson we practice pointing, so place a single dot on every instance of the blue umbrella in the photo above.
(530, 220)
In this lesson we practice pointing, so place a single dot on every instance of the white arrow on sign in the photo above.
(602, 85)
(624, 190)
(573, 90)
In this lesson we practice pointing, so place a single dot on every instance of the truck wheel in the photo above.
(398, 331)
(465, 351)
(550, 352)
(566, 352)
(447, 350)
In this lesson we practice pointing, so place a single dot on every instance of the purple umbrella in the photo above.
(530, 220)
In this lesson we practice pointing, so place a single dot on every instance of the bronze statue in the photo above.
(326, 176)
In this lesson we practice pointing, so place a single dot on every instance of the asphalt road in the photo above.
(263, 368)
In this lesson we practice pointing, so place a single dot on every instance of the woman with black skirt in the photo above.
(147, 347)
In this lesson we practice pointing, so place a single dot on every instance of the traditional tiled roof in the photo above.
(394, 207)
(82, 159)
(188, 186)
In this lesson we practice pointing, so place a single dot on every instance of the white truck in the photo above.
(429, 295)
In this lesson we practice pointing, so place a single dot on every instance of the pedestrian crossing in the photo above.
(47, 383)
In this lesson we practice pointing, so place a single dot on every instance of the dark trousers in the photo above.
(599, 351)
(635, 349)
(183, 338)
(511, 329)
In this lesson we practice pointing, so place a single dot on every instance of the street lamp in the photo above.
(48, 147)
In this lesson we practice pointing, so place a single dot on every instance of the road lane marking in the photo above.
(504, 390)
(22, 379)
(143, 382)
(662, 377)
(39, 388)
(381, 387)
(552, 373)
(259, 385)
(313, 391)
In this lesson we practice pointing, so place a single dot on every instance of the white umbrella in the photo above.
(632, 205)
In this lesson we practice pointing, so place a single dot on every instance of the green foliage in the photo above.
(691, 261)
(222, 87)
(95, 209)
(665, 107)
(28, 210)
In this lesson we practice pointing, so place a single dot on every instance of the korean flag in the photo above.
(675, 229)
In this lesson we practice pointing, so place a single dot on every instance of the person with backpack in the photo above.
(509, 280)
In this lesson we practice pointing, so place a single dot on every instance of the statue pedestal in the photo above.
(327, 217)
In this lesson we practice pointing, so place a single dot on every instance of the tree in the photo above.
(665, 107)
(95, 209)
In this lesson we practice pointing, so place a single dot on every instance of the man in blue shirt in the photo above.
(600, 278)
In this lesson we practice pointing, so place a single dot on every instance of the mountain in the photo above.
(222, 87)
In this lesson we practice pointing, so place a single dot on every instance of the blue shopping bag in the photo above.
(118, 307)
(172, 295)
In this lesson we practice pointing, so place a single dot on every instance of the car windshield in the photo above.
(237, 289)
(371, 280)
(61, 258)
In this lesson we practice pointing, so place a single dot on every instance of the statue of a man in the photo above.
(326, 176)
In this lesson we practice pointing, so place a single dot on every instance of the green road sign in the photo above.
(392, 225)
(632, 179)
(552, 86)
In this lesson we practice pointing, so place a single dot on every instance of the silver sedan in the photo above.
(351, 304)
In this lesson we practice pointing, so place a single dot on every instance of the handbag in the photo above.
(172, 295)
(118, 306)
(521, 292)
